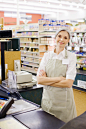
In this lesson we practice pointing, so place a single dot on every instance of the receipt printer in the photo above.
(23, 76)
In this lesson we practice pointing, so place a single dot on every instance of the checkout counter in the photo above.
(27, 114)
(33, 117)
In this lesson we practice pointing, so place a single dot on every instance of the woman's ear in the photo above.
(69, 40)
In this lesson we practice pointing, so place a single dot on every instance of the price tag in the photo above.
(75, 34)
(76, 48)
(81, 84)
(80, 34)
(69, 48)
(22, 58)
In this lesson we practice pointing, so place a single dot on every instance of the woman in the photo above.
(57, 72)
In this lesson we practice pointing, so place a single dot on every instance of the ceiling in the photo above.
(42, 6)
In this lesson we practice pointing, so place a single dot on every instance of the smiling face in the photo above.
(62, 39)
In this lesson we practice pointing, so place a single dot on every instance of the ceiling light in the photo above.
(48, 3)
(85, 7)
(80, 20)
(77, 6)
(71, 6)
(60, 5)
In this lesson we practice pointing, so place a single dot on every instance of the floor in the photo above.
(80, 101)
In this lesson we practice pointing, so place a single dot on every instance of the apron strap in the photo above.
(66, 56)
(51, 55)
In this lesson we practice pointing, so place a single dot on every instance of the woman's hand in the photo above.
(42, 73)
(62, 78)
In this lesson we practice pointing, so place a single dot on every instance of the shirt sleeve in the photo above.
(71, 70)
(43, 63)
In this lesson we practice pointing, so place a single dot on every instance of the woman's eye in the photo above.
(59, 36)
(65, 37)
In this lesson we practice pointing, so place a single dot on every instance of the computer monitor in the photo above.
(5, 34)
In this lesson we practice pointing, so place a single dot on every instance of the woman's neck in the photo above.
(58, 50)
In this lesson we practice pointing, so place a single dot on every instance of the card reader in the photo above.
(5, 104)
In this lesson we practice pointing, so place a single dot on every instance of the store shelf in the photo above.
(31, 61)
(42, 51)
(46, 39)
(47, 36)
(47, 44)
(78, 32)
(40, 57)
(79, 86)
(47, 31)
(29, 71)
(80, 63)
(26, 36)
(29, 56)
(29, 46)
(28, 51)
(29, 42)
(30, 65)
(27, 31)
(81, 55)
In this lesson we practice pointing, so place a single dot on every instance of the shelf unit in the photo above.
(34, 46)
(78, 46)
(29, 47)
(46, 41)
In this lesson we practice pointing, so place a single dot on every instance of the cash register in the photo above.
(24, 79)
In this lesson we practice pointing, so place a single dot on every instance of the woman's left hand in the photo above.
(42, 73)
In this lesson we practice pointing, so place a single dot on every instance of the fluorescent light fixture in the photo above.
(8, 5)
(35, 6)
(60, 5)
(41, 9)
(84, 6)
(7, 1)
(48, 3)
(77, 6)
(35, 12)
(80, 20)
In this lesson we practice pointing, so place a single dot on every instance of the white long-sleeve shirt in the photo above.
(71, 66)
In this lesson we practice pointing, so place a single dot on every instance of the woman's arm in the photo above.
(44, 80)
(48, 80)
(63, 84)
(53, 81)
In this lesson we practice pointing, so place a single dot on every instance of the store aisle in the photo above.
(80, 101)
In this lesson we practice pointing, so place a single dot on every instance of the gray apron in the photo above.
(58, 101)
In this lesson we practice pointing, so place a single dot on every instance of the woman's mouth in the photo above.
(61, 43)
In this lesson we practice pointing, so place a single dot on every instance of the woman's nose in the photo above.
(61, 39)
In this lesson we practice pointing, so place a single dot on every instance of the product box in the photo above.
(50, 42)
(42, 42)
(45, 39)
(41, 54)
(49, 39)
(42, 39)
(42, 47)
